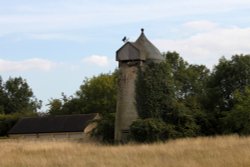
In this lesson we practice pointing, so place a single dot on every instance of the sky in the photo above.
(56, 44)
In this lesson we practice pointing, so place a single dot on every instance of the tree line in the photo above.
(16, 100)
(174, 99)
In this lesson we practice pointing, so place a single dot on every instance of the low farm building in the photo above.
(54, 127)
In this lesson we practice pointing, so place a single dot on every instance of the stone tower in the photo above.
(131, 56)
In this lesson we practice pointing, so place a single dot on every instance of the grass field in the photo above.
(227, 151)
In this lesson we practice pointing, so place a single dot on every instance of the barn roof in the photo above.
(147, 51)
(52, 124)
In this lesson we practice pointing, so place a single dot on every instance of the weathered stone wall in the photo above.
(126, 104)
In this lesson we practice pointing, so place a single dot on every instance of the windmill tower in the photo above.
(131, 56)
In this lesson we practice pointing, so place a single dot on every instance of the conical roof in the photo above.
(147, 50)
(141, 49)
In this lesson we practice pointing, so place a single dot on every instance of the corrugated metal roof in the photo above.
(52, 124)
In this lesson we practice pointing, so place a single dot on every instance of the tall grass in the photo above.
(227, 151)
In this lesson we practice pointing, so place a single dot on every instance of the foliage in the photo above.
(227, 77)
(238, 120)
(105, 128)
(172, 91)
(182, 119)
(147, 130)
(16, 96)
(96, 94)
(65, 105)
(8, 121)
(153, 90)
(16, 100)
(55, 106)
(186, 100)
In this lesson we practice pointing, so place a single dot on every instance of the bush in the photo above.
(238, 119)
(105, 128)
(6, 123)
(147, 130)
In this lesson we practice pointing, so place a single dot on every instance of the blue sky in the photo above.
(55, 44)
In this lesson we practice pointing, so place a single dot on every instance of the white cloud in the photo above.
(207, 47)
(55, 36)
(26, 65)
(98, 60)
(200, 25)
(70, 15)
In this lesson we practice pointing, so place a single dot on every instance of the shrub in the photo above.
(105, 128)
(238, 119)
(6, 123)
(147, 130)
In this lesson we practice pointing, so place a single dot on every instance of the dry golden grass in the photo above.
(227, 151)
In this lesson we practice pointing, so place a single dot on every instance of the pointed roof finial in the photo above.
(142, 30)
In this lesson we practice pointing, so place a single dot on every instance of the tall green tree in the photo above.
(17, 96)
(227, 77)
(189, 80)
(16, 100)
(98, 93)
(171, 91)
(189, 92)
(238, 119)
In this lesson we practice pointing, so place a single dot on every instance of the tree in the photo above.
(154, 90)
(98, 94)
(169, 92)
(55, 107)
(186, 111)
(177, 69)
(188, 80)
(238, 119)
(16, 100)
(147, 130)
(227, 77)
(183, 119)
(17, 96)
(66, 105)
(7, 121)
(173, 99)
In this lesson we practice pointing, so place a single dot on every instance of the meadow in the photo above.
(225, 151)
